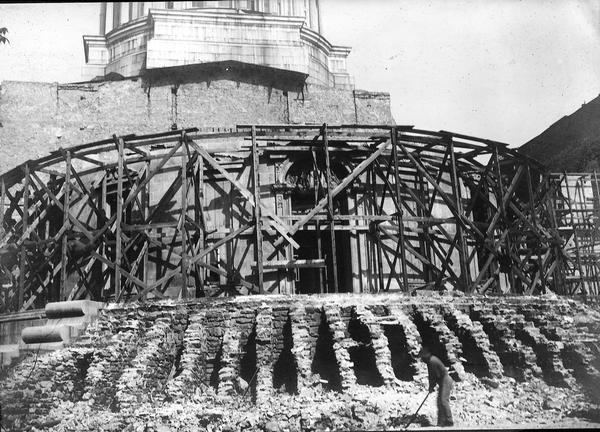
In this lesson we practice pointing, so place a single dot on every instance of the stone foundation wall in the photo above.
(41, 117)
(264, 345)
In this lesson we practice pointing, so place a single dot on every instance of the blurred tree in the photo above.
(3, 38)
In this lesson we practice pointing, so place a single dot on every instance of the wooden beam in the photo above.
(330, 210)
(400, 213)
(182, 226)
(66, 213)
(23, 258)
(465, 274)
(2, 205)
(292, 264)
(119, 218)
(258, 240)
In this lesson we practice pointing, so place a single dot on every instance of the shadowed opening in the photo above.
(248, 363)
(472, 352)
(430, 338)
(285, 370)
(216, 367)
(82, 364)
(403, 364)
(363, 355)
(324, 362)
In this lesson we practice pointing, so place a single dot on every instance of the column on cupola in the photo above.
(315, 16)
(102, 18)
(116, 21)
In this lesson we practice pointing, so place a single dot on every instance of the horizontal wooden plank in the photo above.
(285, 264)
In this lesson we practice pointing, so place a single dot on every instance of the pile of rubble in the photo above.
(312, 363)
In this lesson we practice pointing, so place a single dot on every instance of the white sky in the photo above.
(498, 69)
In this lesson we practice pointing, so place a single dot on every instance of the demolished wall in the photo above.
(230, 355)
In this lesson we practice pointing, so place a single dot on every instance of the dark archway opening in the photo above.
(82, 364)
(403, 364)
(430, 338)
(248, 365)
(363, 355)
(472, 353)
(325, 362)
(285, 370)
(216, 367)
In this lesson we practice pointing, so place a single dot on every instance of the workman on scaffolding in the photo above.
(438, 374)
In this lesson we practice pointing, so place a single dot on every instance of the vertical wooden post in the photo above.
(330, 208)
(500, 203)
(575, 236)
(465, 273)
(184, 207)
(258, 245)
(596, 213)
(558, 280)
(119, 218)
(534, 220)
(199, 214)
(317, 184)
(2, 205)
(377, 255)
(421, 191)
(104, 248)
(66, 223)
(146, 205)
(400, 221)
(25, 224)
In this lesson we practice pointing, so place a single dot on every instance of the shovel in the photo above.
(416, 412)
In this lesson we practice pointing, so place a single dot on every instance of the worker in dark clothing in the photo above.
(438, 374)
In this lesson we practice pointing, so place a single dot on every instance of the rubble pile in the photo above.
(278, 363)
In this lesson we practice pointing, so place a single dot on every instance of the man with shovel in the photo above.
(438, 374)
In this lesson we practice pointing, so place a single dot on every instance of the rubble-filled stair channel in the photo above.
(254, 347)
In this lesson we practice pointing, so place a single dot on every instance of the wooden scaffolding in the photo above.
(292, 209)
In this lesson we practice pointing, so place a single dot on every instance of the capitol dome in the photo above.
(136, 37)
